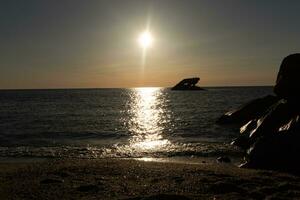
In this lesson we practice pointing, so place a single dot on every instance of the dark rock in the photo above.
(253, 109)
(243, 140)
(279, 114)
(188, 84)
(270, 131)
(274, 143)
(288, 80)
(223, 159)
(277, 152)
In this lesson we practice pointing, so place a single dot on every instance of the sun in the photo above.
(145, 39)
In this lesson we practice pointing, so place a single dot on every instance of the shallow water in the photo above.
(139, 122)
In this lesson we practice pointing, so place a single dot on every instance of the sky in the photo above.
(93, 44)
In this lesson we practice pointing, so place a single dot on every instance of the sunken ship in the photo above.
(188, 84)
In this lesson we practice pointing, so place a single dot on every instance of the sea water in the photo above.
(120, 123)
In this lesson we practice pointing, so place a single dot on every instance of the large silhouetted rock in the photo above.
(272, 140)
(277, 149)
(288, 78)
(188, 84)
(270, 126)
(253, 109)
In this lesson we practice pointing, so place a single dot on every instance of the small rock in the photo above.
(166, 197)
(178, 179)
(225, 187)
(50, 181)
(223, 159)
(88, 188)
(63, 174)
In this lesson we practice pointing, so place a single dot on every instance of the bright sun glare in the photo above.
(145, 39)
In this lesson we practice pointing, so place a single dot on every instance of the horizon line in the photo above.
(95, 88)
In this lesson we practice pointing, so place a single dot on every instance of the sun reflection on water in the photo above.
(147, 115)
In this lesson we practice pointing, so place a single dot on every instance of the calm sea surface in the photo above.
(98, 123)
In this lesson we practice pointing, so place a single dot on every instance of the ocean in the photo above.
(120, 123)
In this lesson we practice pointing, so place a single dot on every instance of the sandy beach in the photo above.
(137, 179)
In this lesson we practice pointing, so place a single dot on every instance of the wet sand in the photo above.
(137, 179)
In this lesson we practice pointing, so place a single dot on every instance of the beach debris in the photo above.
(188, 84)
(270, 126)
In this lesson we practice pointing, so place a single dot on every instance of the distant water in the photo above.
(98, 123)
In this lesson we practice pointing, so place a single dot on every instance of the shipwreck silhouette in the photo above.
(188, 84)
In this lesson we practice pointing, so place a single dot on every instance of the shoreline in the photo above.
(235, 161)
(137, 179)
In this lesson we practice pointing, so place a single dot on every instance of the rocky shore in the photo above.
(270, 126)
